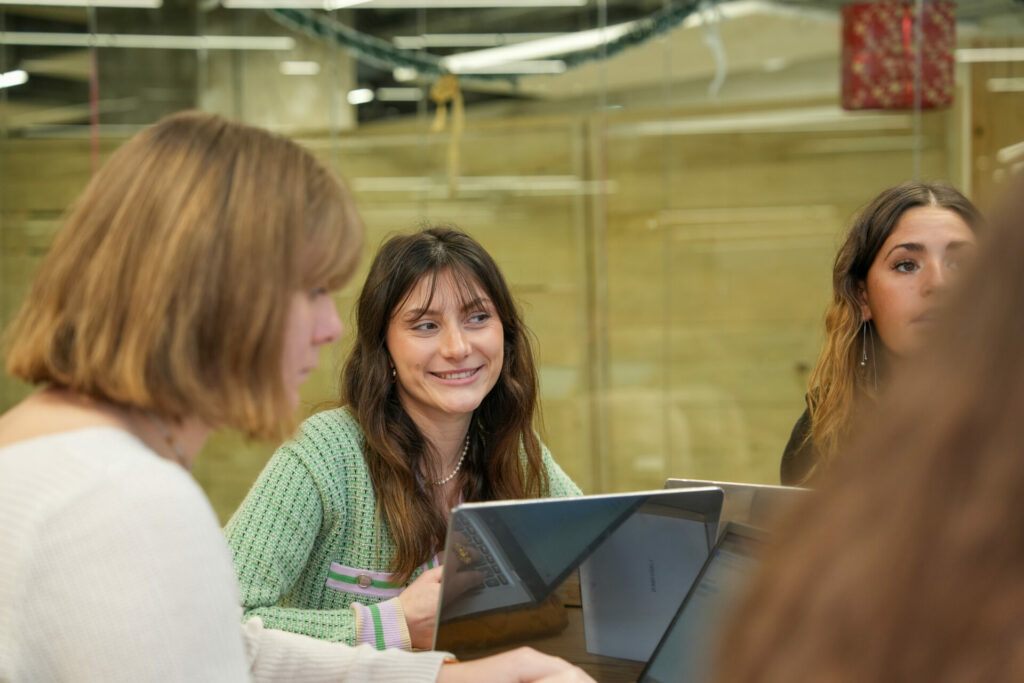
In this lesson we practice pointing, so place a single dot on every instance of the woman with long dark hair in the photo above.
(440, 395)
(905, 564)
(899, 257)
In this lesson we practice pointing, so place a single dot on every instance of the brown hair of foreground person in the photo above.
(192, 306)
(907, 564)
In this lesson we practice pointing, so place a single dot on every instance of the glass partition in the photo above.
(667, 214)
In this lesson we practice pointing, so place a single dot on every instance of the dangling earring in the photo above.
(868, 338)
(864, 344)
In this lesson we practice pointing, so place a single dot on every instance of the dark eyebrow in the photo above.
(909, 246)
(918, 247)
(476, 303)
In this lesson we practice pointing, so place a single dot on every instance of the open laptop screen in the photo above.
(552, 538)
(685, 652)
(507, 557)
(759, 505)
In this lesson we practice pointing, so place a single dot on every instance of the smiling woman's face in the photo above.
(447, 352)
(905, 285)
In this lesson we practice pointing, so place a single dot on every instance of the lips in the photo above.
(456, 374)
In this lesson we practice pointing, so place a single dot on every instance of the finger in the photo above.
(432, 575)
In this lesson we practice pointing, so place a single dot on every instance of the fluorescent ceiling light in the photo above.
(445, 4)
(1005, 84)
(399, 94)
(429, 40)
(990, 54)
(395, 4)
(360, 96)
(537, 66)
(404, 74)
(1011, 153)
(292, 4)
(147, 4)
(13, 78)
(827, 118)
(587, 40)
(299, 68)
(153, 42)
(535, 49)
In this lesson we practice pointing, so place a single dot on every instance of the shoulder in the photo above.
(327, 451)
(559, 483)
(335, 426)
(104, 465)
(143, 539)
(327, 436)
(799, 455)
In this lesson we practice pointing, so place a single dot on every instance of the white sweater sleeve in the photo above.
(131, 580)
(283, 656)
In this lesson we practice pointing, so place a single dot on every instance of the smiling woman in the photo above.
(446, 353)
(440, 393)
(902, 252)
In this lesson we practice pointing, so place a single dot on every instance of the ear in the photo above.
(862, 299)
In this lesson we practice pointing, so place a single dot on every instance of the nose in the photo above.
(454, 343)
(328, 326)
(936, 279)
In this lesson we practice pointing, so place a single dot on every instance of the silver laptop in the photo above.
(689, 644)
(506, 557)
(632, 584)
(757, 505)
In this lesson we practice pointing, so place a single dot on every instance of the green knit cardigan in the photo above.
(310, 552)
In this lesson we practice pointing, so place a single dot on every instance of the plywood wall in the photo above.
(673, 265)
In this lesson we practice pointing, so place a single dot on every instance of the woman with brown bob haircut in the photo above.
(187, 290)
(440, 394)
(906, 564)
(900, 255)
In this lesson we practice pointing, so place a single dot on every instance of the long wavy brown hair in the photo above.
(906, 563)
(504, 456)
(838, 384)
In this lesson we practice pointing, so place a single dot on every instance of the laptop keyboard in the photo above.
(493, 574)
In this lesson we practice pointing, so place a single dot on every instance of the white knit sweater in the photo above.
(113, 568)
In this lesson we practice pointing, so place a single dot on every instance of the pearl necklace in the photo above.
(465, 449)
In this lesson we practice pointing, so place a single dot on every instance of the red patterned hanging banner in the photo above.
(880, 59)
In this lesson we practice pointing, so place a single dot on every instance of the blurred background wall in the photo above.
(667, 216)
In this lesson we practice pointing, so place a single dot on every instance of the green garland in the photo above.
(384, 55)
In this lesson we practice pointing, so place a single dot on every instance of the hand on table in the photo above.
(419, 603)
(522, 665)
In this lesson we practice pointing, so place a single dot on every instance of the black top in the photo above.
(800, 454)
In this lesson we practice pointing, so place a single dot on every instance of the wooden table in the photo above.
(568, 643)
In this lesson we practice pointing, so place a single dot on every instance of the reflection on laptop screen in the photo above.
(555, 538)
(504, 559)
(685, 652)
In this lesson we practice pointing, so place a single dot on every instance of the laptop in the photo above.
(758, 505)
(688, 647)
(632, 584)
(505, 557)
